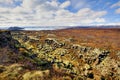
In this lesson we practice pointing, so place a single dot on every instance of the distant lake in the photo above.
(38, 28)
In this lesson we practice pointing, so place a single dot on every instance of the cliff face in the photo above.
(44, 56)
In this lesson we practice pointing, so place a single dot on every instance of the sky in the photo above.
(59, 12)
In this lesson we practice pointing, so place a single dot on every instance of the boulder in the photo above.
(67, 64)
(25, 38)
(47, 48)
(61, 51)
(87, 66)
(106, 66)
(54, 43)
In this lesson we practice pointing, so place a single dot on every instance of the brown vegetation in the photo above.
(70, 54)
(95, 37)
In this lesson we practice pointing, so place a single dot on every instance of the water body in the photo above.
(37, 28)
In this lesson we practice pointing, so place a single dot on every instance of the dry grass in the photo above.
(103, 38)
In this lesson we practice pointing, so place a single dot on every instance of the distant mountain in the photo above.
(15, 28)
(87, 27)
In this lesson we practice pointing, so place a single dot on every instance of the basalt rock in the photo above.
(5, 38)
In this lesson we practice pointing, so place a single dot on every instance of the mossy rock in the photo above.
(36, 75)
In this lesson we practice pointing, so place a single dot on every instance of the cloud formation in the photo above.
(65, 4)
(118, 11)
(116, 4)
(46, 13)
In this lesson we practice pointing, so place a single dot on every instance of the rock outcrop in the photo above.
(49, 58)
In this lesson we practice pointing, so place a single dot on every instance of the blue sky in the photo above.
(59, 12)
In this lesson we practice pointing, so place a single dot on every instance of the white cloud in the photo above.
(116, 4)
(115, 24)
(65, 4)
(6, 1)
(54, 3)
(30, 4)
(4, 10)
(118, 11)
(78, 4)
(47, 13)
(100, 20)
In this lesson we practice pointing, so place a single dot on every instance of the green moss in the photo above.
(26, 54)
(21, 58)
(40, 62)
(17, 45)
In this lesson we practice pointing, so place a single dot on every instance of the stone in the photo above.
(25, 38)
(90, 75)
(67, 64)
(47, 48)
(36, 75)
(2, 68)
(87, 66)
(51, 35)
(39, 46)
(61, 51)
